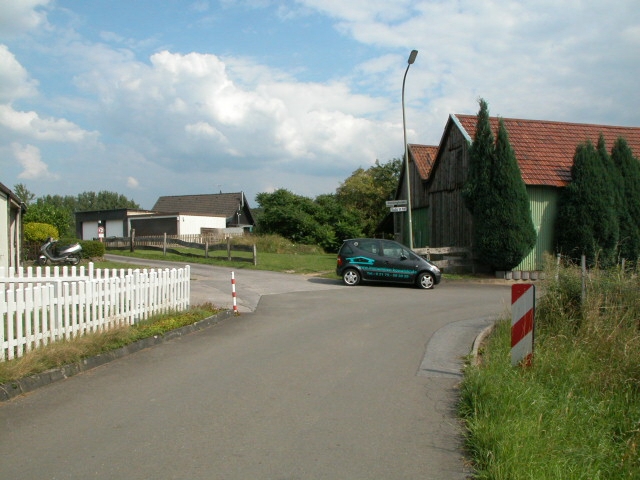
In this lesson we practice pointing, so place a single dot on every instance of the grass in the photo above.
(274, 254)
(74, 350)
(575, 413)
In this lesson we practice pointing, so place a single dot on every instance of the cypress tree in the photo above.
(481, 155)
(497, 198)
(587, 222)
(628, 169)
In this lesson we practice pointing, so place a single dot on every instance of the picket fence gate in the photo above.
(41, 305)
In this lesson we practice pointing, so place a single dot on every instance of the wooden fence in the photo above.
(448, 258)
(208, 243)
(42, 305)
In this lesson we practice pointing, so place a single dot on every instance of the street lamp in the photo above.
(412, 58)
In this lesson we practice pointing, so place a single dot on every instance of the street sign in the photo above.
(395, 203)
(398, 209)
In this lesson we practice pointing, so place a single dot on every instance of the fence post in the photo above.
(229, 249)
(132, 238)
(164, 245)
(255, 255)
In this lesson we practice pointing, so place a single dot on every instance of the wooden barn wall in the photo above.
(450, 220)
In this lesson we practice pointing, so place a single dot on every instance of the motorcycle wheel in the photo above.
(73, 259)
(42, 260)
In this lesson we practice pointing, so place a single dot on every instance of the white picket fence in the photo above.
(41, 305)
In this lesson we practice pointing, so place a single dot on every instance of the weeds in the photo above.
(575, 414)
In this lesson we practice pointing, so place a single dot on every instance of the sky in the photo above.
(153, 98)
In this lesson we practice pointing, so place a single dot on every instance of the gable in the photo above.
(424, 157)
(545, 149)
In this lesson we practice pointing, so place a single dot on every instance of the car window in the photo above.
(346, 249)
(392, 250)
(369, 246)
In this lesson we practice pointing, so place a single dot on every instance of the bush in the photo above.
(92, 249)
(39, 232)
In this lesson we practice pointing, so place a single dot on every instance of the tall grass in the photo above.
(575, 413)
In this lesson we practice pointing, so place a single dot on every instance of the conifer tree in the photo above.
(497, 198)
(629, 172)
(480, 159)
(587, 222)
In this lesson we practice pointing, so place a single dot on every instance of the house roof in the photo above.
(424, 157)
(545, 149)
(217, 204)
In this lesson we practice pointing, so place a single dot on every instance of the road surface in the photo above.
(323, 382)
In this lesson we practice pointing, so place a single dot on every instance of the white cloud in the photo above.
(132, 182)
(33, 167)
(14, 79)
(195, 104)
(17, 16)
(29, 124)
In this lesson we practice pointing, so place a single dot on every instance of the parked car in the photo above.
(376, 260)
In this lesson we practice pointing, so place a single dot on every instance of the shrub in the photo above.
(92, 249)
(39, 232)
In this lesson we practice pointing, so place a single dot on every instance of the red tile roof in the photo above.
(545, 149)
(423, 156)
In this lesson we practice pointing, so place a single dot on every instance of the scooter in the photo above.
(52, 253)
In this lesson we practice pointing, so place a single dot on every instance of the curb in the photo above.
(478, 342)
(24, 385)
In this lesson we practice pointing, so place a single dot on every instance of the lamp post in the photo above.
(412, 58)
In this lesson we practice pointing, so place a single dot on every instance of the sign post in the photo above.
(523, 299)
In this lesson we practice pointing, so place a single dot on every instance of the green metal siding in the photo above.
(421, 222)
(544, 203)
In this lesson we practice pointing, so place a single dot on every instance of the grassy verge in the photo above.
(274, 254)
(574, 414)
(74, 350)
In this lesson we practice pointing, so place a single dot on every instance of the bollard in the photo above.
(233, 293)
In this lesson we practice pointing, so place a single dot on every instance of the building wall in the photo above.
(451, 222)
(544, 208)
(192, 225)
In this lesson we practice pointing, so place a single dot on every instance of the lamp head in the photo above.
(412, 56)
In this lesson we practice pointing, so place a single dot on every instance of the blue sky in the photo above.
(150, 98)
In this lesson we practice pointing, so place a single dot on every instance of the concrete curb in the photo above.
(477, 343)
(15, 388)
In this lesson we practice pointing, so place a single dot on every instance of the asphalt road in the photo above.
(319, 381)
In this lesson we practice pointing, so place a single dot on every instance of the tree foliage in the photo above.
(23, 193)
(587, 222)
(366, 192)
(628, 169)
(496, 196)
(60, 210)
(303, 220)
(355, 210)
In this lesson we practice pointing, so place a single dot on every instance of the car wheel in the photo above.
(426, 280)
(351, 277)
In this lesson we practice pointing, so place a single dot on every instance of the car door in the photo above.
(368, 258)
(398, 262)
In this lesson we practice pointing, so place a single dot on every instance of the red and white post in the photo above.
(523, 300)
(233, 293)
